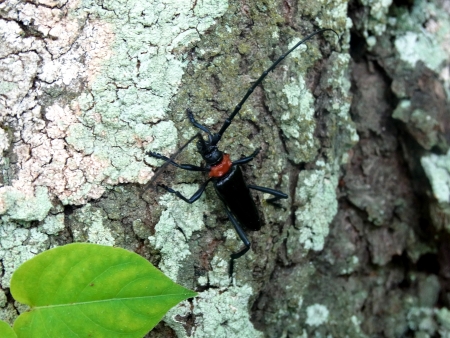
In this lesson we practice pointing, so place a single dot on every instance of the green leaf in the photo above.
(89, 290)
(6, 331)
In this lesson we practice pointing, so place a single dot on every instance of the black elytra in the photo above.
(225, 174)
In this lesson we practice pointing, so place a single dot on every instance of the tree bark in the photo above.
(354, 129)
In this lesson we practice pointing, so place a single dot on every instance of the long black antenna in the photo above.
(238, 107)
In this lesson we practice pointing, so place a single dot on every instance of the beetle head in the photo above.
(209, 150)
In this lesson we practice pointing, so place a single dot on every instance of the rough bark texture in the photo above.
(355, 130)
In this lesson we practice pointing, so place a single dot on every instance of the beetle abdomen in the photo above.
(233, 191)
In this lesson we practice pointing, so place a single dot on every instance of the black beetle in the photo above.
(226, 175)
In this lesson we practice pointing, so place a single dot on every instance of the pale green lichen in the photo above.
(182, 310)
(377, 20)
(437, 169)
(327, 14)
(227, 313)
(339, 103)
(357, 325)
(421, 320)
(7, 87)
(18, 245)
(422, 35)
(218, 276)
(420, 120)
(297, 122)
(443, 318)
(352, 265)
(93, 227)
(53, 224)
(175, 228)
(219, 313)
(136, 84)
(316, 314)
(22, 207)
(8, 313)
(413, 47)
(316, 196)
(3, 299)
(131, 68)
(428, 290)
(294, 105)
(401, 112)
(140, 229)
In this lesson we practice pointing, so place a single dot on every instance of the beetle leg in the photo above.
(195, 123)
(243, 238)
(193, 198)
(189, 167)
(278, 194)
(248, 158)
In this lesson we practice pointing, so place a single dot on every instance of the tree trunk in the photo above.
(354, 129)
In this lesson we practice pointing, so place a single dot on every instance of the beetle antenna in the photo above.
(238, 107)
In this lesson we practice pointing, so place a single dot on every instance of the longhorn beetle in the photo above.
(225, 174)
